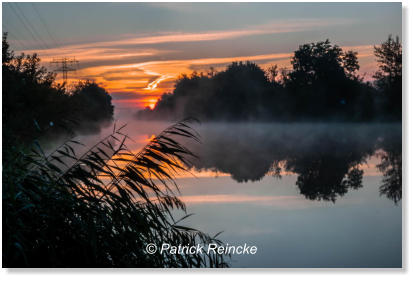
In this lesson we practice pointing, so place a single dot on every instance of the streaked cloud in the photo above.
(146, 66)
(291, 25)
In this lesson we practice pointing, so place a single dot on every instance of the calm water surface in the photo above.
(307, 195)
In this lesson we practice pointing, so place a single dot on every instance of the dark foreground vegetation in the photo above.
(93, 207)
(323, 85)
(99, 209)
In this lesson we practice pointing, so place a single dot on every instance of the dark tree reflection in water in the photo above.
(391, 167)
(328, 159)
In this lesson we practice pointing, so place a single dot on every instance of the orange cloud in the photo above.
(126, 65)
(157, 76)
(154, 84)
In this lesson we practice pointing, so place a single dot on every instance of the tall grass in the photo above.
(101, 208)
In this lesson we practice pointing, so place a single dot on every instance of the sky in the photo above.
(137, 50)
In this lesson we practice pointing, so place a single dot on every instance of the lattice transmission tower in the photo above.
(65, 65)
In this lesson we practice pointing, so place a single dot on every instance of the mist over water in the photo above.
(329, 159)
(307, 194)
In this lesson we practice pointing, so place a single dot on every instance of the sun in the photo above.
(151, 103)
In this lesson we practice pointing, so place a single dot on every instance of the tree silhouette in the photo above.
(321, 61)
(322, 85)
(92, 103)
(241, 92)
(389, 75)
(35, 105)
(323, 82)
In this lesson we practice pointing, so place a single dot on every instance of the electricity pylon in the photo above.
(65, 65)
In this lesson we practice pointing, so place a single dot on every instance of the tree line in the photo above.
(323, 84)
(35, 105)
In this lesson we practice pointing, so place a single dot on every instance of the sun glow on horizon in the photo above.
(124, 79)
(151, 103)
(147, 73)
(138, 58)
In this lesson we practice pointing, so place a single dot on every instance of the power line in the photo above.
(45, 25)
(22, 22)
(26, 26)
(15, 35)
(32, 27)
(15, 41)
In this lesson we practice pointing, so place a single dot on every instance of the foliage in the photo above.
(99, 209)
(321, 61)
(389, 55)
(323, 84)
(238, 93)
(93, 104)
(30, 102)
(35, 105)
(389, 75)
